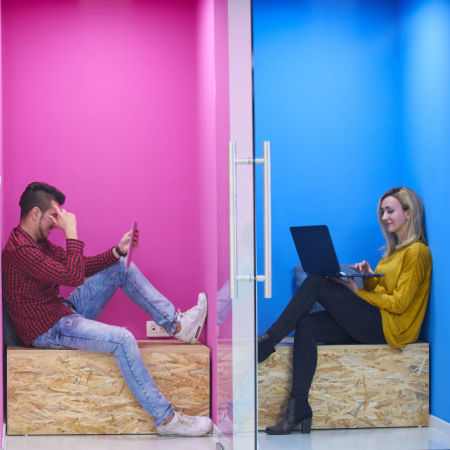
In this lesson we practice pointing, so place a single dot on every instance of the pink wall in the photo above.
(1, 232)
(224, 384)
(123, 105)
(207, 164)
(101, 100)
(214, 122)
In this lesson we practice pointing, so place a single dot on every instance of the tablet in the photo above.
(130, 248)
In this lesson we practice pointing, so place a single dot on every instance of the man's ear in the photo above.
(36, 214)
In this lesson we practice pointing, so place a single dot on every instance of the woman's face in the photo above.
(394, 218)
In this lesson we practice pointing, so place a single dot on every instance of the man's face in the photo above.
(46, 222)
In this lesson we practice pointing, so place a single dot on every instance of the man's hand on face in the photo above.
(66, 222)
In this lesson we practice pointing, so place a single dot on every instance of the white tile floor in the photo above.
(435, 437)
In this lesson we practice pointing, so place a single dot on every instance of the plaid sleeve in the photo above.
(93, 264)
(56, 251)
(30, 259)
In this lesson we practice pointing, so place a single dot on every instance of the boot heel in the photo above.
(306, 425)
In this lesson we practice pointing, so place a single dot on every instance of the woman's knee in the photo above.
(305, 325)
(316, 279)
(322, 285)
(312, 283)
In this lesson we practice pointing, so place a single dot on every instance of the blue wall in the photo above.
(354, 97)
(425, 51)
(326, 96)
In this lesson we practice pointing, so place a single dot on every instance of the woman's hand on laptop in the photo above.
(361, 267)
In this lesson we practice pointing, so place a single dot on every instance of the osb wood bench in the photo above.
(78, 392)
(355, 386)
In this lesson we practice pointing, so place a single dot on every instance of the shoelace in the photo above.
(187, 421)
(186, 314)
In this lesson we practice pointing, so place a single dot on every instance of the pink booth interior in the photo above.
(123, 105)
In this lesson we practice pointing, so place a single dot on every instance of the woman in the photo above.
(389, 309)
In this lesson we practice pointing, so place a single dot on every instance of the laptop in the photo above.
(130, 248)
(317, 255)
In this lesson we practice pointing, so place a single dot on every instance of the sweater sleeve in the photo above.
(370, 284)
(70, 272)
(413, 272)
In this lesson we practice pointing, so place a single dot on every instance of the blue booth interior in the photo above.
(354, 96)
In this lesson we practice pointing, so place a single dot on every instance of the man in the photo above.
(33, 268)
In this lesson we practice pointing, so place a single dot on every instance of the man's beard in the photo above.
(42, 233)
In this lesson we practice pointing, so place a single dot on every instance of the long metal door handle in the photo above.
(233, 221)
(234, 277)
(267, 223)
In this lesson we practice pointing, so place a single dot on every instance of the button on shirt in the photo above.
(32, 273)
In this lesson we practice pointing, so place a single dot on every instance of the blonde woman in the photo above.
(389, 309)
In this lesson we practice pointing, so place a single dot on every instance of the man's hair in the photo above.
(40, 195)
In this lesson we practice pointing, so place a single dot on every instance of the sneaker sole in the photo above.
(199, 434)
(200, 327)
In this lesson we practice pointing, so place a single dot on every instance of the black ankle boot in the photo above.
(265, 347)
(298, 412)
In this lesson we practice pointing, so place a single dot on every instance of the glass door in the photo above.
(236, 318)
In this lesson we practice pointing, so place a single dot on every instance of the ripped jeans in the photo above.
(81, 331)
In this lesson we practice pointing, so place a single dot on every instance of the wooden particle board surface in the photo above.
(77, 392)
(355, 386)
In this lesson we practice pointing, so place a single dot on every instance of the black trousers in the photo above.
(347, 319)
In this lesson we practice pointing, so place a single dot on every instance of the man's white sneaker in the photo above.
(182, 425)
(192, 321)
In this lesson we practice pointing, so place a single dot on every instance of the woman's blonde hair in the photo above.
(411, 202)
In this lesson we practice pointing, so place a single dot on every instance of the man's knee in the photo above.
(125, 335)
(117, 268)
(122, 263)
(121, 336)
(120, 269)
(125, 341)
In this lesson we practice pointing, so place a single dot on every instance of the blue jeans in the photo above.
(81, 331)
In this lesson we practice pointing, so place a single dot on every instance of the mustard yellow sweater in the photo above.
(402, 294)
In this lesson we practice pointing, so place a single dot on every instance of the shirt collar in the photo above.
(25, 235)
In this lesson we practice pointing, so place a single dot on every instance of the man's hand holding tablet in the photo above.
(128, 243)
(134, 242)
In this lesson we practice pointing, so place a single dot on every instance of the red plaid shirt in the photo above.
(32, 272)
